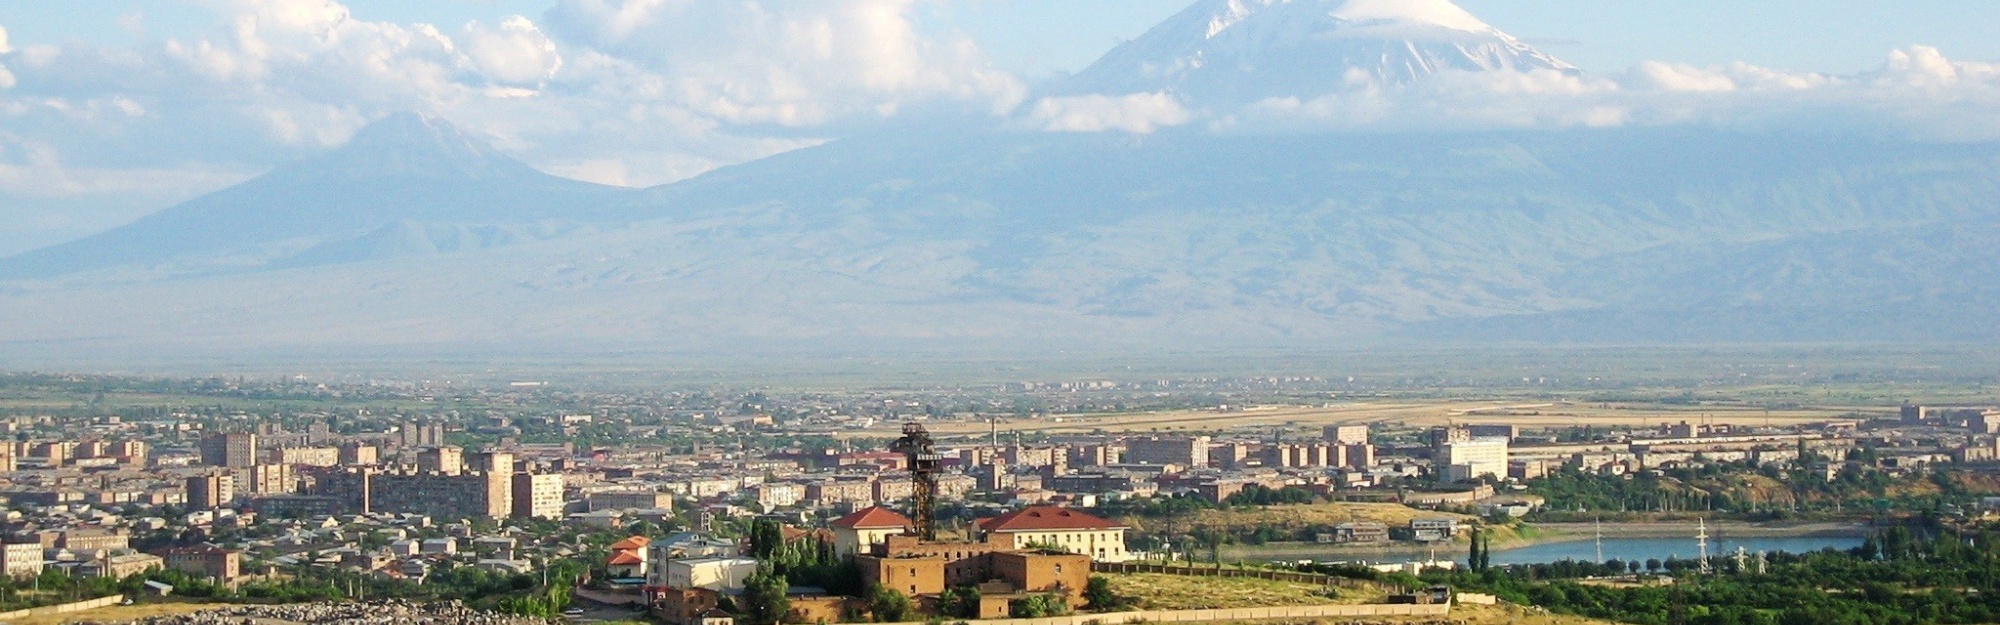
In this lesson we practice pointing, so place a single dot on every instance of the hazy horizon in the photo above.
(552, 177)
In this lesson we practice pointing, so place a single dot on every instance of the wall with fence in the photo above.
(65, 608)
(1234, 614)
(1298, 577)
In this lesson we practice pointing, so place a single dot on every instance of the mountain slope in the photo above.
(1225, 53)
(406, 167)
(1179, 238)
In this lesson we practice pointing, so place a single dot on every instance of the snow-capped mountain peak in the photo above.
(1222, 53)
(1429, 12)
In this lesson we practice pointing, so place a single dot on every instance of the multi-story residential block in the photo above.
(836, 491)
(777, 495)
(1347, 434)
(21, 559)
(211, 491)
(233, 450)
(267, 479)
(894, 487)
(358, 453)
(1185, 451)
(131, 453)
(629, 500)
(54, 453)
(704, 488)
(446, 460)
(308, 456)
(413, 435)
(538, 495)
(464, 495)
(490, 461)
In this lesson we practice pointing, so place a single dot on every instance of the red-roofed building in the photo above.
(861, 531)
(628, 558)
(1067, 529)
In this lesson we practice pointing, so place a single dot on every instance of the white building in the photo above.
(777, 495)
(19, 560)
(861, 531)
(717, 574)
(1473, 459)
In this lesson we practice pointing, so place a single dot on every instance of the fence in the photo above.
(65, 608)
(1438, 611)
(1299, 577)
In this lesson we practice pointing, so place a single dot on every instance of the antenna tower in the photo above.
(921, 452)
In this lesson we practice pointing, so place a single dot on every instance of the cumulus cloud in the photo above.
(515, 53)
(632, 92)
(1917, 93)
(1138, 113)
(792, 63)
(6, 77)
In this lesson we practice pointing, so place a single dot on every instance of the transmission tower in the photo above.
(921, 452)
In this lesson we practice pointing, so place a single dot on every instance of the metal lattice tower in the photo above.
(917, 447)
(1701, 542)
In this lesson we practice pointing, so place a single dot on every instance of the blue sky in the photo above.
(112, 109)
(1037, 37)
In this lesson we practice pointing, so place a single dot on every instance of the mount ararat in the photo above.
(418, 236)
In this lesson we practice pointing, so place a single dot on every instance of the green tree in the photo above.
(961, 601)
(1098, 593)
(764, 599)
(888, 605)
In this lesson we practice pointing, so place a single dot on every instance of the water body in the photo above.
(1643, 549)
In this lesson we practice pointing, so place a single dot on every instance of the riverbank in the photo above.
(1559, 532)
(1529, 535)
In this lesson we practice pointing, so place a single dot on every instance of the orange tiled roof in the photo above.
(872, 517)
(1043, 518)
(635, 542)
(623, 557)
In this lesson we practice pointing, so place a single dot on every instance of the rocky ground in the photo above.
(371, 613)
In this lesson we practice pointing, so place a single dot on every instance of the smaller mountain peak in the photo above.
(413, 129)
(413, 143)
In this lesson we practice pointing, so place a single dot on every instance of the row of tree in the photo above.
(1905, 577)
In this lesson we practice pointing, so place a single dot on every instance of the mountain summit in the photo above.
(1221, 53)
(407, 177)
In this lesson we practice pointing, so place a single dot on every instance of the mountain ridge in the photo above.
(406, 166)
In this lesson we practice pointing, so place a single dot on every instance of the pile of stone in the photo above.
(329, 613)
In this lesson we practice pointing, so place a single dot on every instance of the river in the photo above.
(1643, 549)
(1620, 548)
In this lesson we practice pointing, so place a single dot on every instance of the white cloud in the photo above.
(638, 92)
(6, 77)
(515, 53)
(1138, 113)
(1918, 92)
(791, 63)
